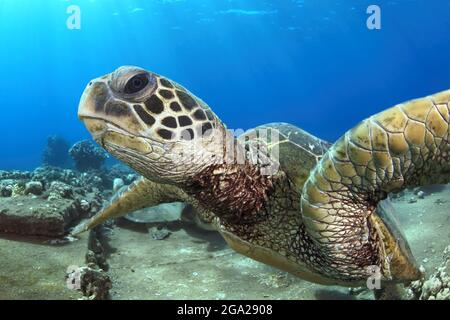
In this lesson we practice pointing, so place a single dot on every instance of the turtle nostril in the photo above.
(90, 84)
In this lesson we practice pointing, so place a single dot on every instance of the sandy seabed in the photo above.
(194, 264)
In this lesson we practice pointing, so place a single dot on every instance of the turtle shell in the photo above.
(297, 151)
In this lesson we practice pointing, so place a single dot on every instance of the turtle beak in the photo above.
(91, 107)
(93, 100)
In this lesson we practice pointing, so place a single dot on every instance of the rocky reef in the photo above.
(49, 200)
(46, 202)
(87, 156)
(435, 287)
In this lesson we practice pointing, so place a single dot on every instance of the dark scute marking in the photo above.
(148, 119)
(166, 94)
(99, 91)
(206, 129)
(187, 134)
(184, 121)
(209, 115)
(186, 100)
(154, 105)
(175, 106)
(117, 109)
(170, 122)
(199, 114)
(166, 83)
(165, 134)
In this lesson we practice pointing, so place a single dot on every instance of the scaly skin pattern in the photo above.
(405, 146)
(276, 235)
(144, 193)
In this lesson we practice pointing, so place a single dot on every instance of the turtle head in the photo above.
(152, 124)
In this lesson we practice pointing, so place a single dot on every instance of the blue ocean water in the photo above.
(313, 63)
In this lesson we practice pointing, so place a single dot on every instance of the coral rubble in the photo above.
(437, 286)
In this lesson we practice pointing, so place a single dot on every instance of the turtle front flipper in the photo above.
(141, 194)
(405, 146)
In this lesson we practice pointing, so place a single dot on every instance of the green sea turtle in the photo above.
(313, 210)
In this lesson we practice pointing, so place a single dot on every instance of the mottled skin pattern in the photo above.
(324, 227)
(405, 146)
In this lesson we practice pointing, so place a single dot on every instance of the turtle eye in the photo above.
(136, 83)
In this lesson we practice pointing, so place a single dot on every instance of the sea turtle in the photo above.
(313, 210)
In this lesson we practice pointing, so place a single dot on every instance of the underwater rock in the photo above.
(92, 280)
(96, 256)
(159, 233)
(95, 179)
(69, 200)
(6, 191)
(59, 190)
(34, 216)
(412, 200)
(47, 174)
(18, 189)
(12, 188)
(34, 187)
(436, 287)
(59, 183)
(117, 184)
(100, 179)
(84, 205)
(6, 187)
(15, 175)
(55, 192)
(56, 151)
(389, 291)
(87, 156)
(421, 195)
(93, 283)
